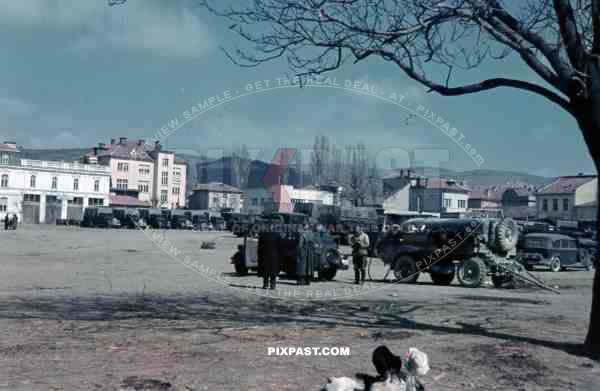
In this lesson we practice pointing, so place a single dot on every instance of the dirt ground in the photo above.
(83, 309)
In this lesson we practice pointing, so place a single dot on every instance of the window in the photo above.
(164, 178)
(76, 201)
(565, 204)
(144, 171)
(555, 204)
(4, 181)
(122, 184)
(143, 187)
(447, 203)
(255, 201)
(3, 204)
(31, 198)
(177, 172)
(4, 158)
(76, 184)
(165, 163)
(95, 202)
(462, 204)
(164, 195)
(175, 191)
(419, 203)
(564, 243)
(32, 181)
(556, 244)
(96, 185)
(215, 201)
(572, 244)
(123, 167)
(545, 205)
(54, 182)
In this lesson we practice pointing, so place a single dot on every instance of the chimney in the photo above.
(101, 146)
(122, 140)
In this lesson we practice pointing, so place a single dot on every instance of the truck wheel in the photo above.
(241, 269)
(442, 278)
(327, 274)
(555, 264)
(472, 272)
(405, 269)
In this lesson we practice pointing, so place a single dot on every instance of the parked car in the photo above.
(106, 219)
(156, 219)
(181, 219)
(200, 220)
(89, 217)
(555, 251)
(133, 219)
(218, 223)
(328, 259)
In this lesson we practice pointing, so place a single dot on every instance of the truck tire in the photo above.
(472, 272)
(442, 278)
(240, 269)
(555, 264)
(507, 234)
(405, 269)
(327, 274)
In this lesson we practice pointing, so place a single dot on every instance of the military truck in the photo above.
(469, 249)
(328, 259)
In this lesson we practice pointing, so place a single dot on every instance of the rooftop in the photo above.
(446, 184)
(566, 184)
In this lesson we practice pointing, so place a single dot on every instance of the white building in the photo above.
(215, 196)
(39, 191)
(258, 199)
(438, 195)
(146, 171)
(568, 198)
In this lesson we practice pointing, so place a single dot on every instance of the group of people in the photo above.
(307, 254)
(10, 221)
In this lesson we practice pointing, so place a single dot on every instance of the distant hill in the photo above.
(67, 155)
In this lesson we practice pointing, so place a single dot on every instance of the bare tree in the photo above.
(559, 40)
(321, 160)
(240, 167)
(359, 175)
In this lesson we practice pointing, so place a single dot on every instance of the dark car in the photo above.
(327, 260)
(555, 251)
(446, 247)
(89, 217)
(200, 219)
(133, 219)
(181, 219)
(157, 219)
(106, 219)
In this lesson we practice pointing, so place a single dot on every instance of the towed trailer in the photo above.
(468, 249)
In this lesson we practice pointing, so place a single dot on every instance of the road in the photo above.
(85, 308)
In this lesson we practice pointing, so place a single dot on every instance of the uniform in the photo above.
(268, 257)
(306, 254)
(360, 250)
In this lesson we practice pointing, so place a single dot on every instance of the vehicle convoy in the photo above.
(181, 219)
(469, 249)
(328, 259)
(555, 251)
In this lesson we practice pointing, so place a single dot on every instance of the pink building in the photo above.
(156, 176)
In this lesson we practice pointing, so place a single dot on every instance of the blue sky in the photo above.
(75, 73)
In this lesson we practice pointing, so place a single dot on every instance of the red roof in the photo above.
(566, 184)
(125, 200)
(446, 184)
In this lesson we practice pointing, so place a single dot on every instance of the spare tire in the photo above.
(507, 234)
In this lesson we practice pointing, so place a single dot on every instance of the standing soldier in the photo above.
(268, 256)
(304, 266)
(360, 250)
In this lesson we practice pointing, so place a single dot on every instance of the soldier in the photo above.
(6, 222)
(360, 250)
(269, 256)
(305, 255)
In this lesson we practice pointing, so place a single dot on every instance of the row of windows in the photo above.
(461, 204)
(565, 204)
(144, 171)
(123, 167)
(143, 188)
(54, 185)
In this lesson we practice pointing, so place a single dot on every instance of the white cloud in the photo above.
(135, 25)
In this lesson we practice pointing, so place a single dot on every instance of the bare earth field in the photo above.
(83, 309)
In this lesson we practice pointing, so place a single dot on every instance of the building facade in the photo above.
(39, 191)
(519, 202)
(436, 195)
(216, 196)
(283, 197)
(153, 174)
(567, 198)
(396, 192)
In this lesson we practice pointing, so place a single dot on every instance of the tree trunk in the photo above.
(586, 105)
(592, 341)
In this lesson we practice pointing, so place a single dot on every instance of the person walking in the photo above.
(360, 250)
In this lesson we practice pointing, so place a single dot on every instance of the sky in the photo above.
(75, 73)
